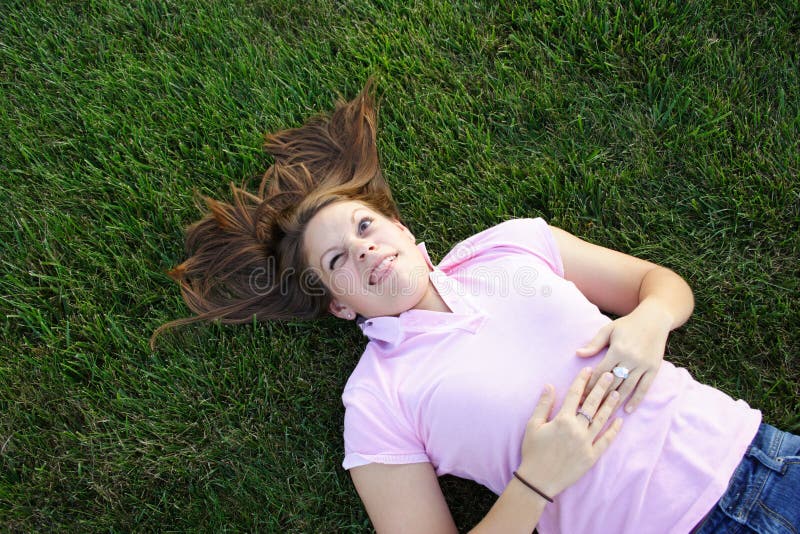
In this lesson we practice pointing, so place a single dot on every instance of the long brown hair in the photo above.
(245, 258)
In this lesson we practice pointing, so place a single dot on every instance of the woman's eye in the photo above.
(333, 261)
(364, 224)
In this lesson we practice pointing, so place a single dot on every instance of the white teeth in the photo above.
(379, 267)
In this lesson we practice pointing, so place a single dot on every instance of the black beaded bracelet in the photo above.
(531, 486)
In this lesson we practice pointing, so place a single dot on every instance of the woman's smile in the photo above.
(382, 269)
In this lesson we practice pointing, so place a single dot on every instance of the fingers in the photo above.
(608, 362)
(626, 385)
(543, 408)
(604, 412)
(575, 391)
(607, 437)
(599, 341)
(595, 395)
(641, 391)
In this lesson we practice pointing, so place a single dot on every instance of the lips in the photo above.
(381, 269)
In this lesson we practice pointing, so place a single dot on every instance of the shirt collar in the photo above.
(391, 331)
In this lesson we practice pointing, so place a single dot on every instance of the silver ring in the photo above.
(586, 415)
(621, 372)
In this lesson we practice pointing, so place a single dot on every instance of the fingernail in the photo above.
(614, 395)
(629, 408)
(606, 378)
(587, 370)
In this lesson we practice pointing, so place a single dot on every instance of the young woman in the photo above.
(458, 354)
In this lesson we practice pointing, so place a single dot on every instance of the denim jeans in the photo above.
(763, 495)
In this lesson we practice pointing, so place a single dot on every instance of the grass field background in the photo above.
(668, 130)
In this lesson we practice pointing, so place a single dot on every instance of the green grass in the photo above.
(668, 130)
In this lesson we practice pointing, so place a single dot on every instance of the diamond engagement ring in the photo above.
(586, 415)
(621, 372)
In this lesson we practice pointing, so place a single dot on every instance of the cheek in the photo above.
(344, 282)
(417, 267)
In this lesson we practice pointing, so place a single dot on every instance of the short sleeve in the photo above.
(375, 433)
(527, 236)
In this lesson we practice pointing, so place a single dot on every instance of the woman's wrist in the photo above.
(656, 313)
(533, 488)
(518, 509)
(541, 481)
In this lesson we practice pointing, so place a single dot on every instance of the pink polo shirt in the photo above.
(457, 389)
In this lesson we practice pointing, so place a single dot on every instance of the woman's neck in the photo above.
(432, 301)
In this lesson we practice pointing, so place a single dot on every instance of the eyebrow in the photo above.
(353, 219)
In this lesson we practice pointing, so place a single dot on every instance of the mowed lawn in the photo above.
(667, 130)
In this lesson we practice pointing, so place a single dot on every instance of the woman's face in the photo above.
(370, 263)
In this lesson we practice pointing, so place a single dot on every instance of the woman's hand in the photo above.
(650, 301)
(635, 342)
(556, 453)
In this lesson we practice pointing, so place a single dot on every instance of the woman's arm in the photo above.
(555, 454)
(403, 498)
(650, 299)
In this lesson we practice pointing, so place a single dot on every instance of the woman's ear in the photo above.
(342, 311)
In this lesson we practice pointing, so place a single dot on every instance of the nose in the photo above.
(364, 247)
